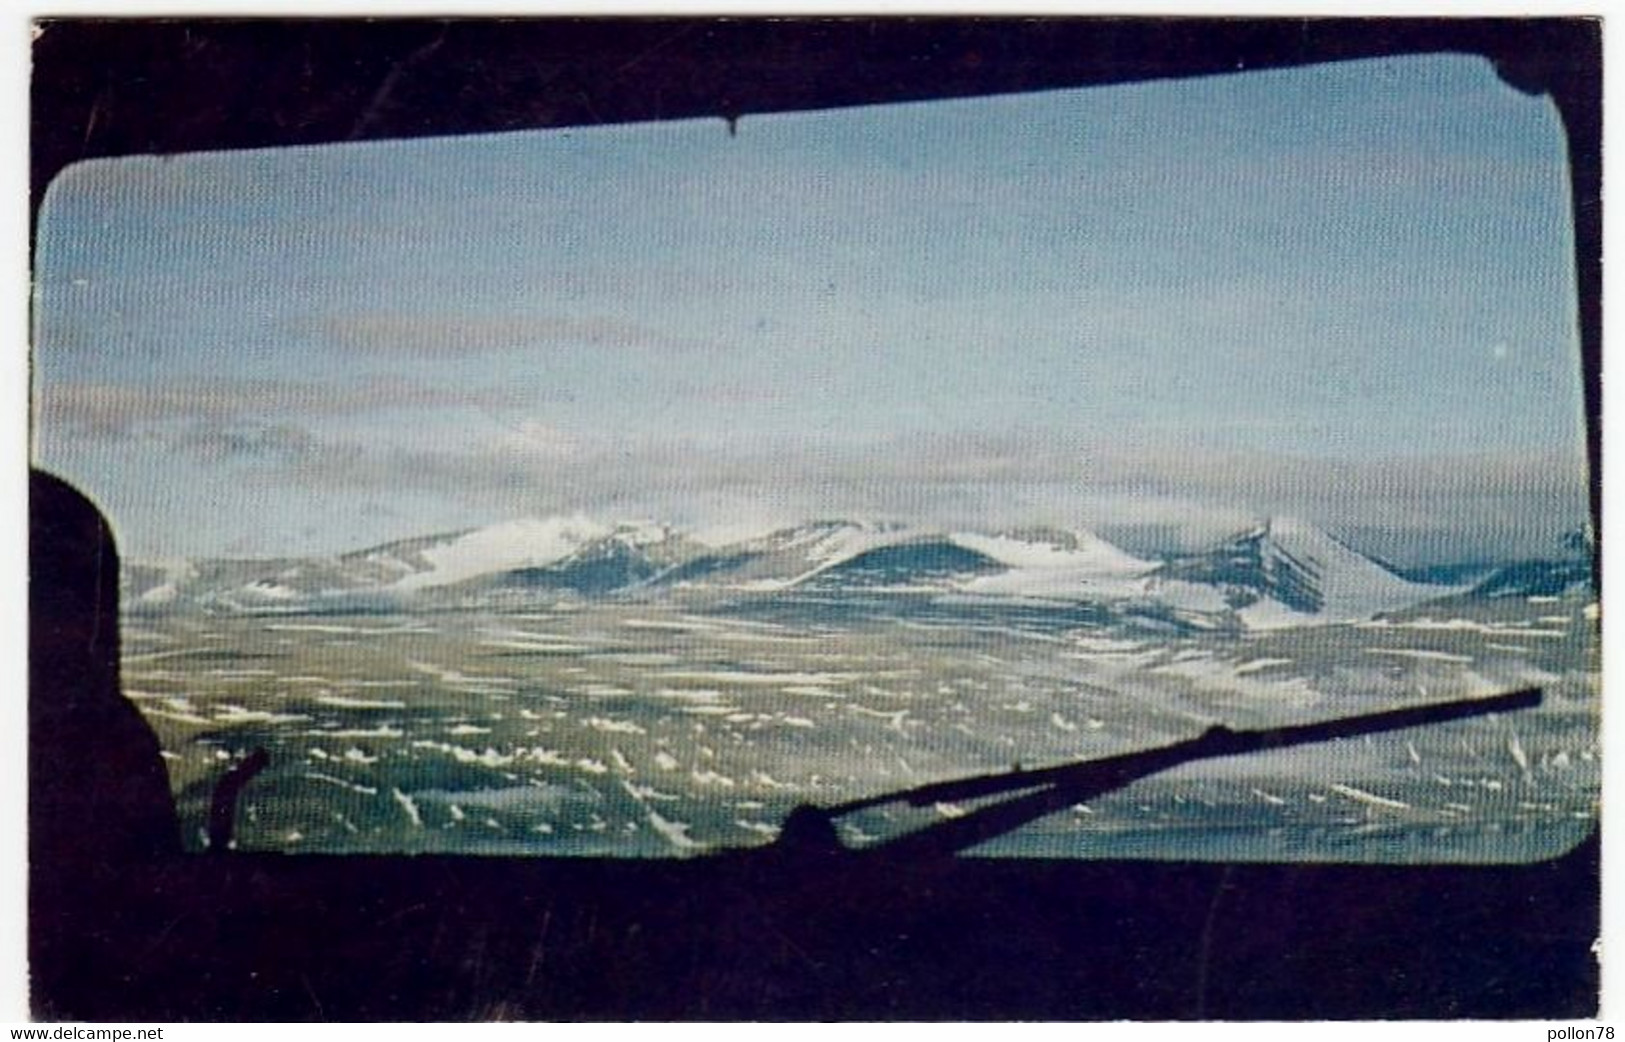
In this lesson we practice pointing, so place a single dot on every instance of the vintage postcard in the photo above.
(852, 519)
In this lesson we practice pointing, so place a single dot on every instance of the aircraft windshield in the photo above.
(613, 491)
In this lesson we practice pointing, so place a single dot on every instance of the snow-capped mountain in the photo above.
(259, 586)
(784, 558)
(846, 555)
(1049, 563)
(1288, 572)
(400, 572)
(526, 543)
(1568, 571)
(919, 563)
(1284, 572)
(581, 557)
(1543, 578)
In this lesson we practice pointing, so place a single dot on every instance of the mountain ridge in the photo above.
(1281, 572)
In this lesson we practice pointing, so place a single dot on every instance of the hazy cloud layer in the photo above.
(1455, 508)
(122, 410)
(434, 334)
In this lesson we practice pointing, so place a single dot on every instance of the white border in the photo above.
(15, 38)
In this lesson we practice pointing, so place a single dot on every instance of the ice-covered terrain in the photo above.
(576, 688)
(1283, 573)
(1287, 572)
(519, 544)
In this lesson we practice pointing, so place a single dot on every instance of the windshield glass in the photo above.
(613, 491)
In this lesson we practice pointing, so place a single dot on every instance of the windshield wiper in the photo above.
(810, 829)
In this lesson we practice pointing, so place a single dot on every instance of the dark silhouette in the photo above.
(98, 791)
(223, 808)
(99, 804)
(1054, 789)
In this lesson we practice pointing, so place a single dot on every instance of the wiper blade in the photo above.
(1060, 787)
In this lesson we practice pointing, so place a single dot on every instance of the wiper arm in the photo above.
(1057, 788)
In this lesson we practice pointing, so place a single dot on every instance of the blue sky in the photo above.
(1343, 292)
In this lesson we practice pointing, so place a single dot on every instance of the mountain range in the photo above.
(1284, 572)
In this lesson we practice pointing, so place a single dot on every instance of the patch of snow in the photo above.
(382, 731)
(345, 702)
(181, 716)
(365, 790)
(1090, 569)
(525, 543)
(539, 649)
(464, 680)
(409, 806)
(1189, 596)
(269, 591)
(649, 792)
(1270, 614)
(1369, 798)
(312, 627)
(1519, 756)
(161, 594)
(732, 676)
(673, 832)
(235, 714)
(825, 548)
(1257, 664)
(1420, 653)
(1093, 554)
